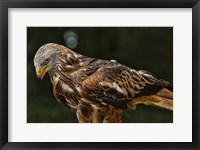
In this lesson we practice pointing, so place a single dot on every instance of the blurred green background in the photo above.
(148, 48)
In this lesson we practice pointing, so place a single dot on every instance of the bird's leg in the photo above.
(112, 115)
(96, 115)
(83, 113)
(89, 115)
(81, 117)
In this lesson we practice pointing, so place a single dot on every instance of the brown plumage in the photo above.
(99, 90)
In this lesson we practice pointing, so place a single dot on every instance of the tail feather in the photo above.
(163, 99)
(165, 93)
(162, 103)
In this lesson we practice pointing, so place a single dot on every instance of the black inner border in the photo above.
(6, 4)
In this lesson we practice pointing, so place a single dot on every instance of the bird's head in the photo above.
(52, 55)
(46, 58)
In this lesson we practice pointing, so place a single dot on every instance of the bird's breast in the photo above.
(65, 91)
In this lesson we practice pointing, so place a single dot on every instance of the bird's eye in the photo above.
(45, 62)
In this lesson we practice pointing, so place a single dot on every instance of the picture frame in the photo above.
(4, 63)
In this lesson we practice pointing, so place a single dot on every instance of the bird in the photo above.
(99, 90)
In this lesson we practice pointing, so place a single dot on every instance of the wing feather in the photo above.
(115, 84)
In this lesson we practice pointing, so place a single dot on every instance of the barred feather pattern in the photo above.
(100, 90)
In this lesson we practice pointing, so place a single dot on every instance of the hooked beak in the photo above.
(41, 71)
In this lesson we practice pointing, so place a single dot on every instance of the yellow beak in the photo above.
(41, 71)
